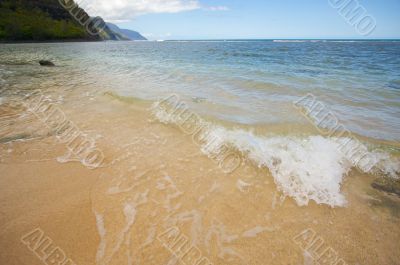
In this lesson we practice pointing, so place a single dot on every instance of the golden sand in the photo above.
(157, 197)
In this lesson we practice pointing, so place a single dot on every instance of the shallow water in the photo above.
(162, 170)
(248, 82)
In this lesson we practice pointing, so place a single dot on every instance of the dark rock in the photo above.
(46, 63)
(387, 184)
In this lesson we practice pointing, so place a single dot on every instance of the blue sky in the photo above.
(223, 19)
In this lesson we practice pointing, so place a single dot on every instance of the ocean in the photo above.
(296, 125)
(248, 82)
(252, 85)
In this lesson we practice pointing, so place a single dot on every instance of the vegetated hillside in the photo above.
(127, 33)
(41, 20)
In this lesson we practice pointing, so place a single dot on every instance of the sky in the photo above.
(251, 19)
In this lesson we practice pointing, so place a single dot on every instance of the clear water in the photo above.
(155, 176)
(248, 82)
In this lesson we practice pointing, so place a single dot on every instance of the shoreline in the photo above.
(141, 191)
(229, 170)
(193, 40)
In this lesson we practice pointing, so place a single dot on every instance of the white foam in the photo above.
(214, 187)
(67, 158)
(291, 41)
(193, 216)
(308, 258)
(130, 216)
(150, 237)
(102, 232)
(387, 164)
(304, 168)
(242, 186)
(256, 230)
(224, 239)
(107, 249)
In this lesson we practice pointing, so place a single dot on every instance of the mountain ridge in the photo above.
(130, 34)
(51, 20)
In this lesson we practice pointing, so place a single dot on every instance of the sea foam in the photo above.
(304, 168)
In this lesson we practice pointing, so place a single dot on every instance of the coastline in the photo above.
(200, 40)
(246, 133)
(125, 206)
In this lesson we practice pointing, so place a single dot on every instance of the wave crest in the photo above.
(304, 168)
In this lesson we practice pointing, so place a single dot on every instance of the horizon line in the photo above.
(230, 39)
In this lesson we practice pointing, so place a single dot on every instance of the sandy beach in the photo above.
(156, 197)
(198, 132)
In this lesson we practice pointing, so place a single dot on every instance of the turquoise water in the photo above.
(248, 90)
(247, 82)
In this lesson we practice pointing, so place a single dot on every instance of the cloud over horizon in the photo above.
(125, 10)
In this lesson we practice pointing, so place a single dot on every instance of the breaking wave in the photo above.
(304, 168)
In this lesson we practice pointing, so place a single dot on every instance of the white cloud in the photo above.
(217, 8)
(122, 10)
(125, 10)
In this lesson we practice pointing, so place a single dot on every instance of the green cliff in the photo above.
(50, 20)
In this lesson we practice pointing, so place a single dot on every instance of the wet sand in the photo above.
(156, 186)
